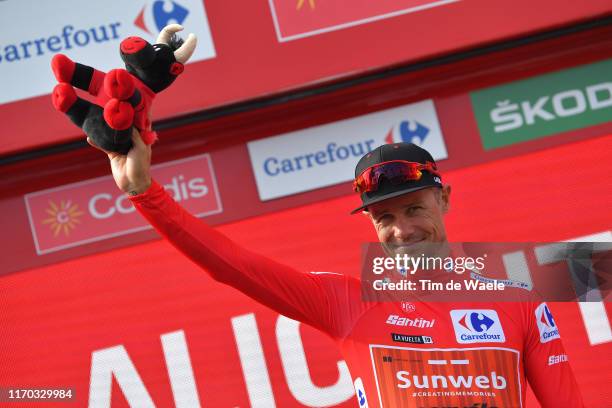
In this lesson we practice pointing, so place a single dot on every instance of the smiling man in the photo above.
(400, 353)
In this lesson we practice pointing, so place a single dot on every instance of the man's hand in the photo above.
(132, 171)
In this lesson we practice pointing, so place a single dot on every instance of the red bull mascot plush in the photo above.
(123, 96)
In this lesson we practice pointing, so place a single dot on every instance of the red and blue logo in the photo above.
(162, 13)
(476, 322)
(546, 324)
(477, 326)
(408, 131)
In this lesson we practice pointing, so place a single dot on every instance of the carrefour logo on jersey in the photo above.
(325, 155)
(89, 34)
(477, 326)
(93, 210)
(546, 324)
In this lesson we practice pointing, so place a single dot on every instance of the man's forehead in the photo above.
(400, 201)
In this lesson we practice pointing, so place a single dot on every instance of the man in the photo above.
(400, 354)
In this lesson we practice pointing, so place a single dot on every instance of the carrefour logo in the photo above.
(408, 131)
(477, 326)
(151, 19)
(546, 324)
(69, 37)
(160, 14)
(89, 35)
(325, 155)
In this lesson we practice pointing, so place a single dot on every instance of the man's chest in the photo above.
(440, 325)
(431, 354)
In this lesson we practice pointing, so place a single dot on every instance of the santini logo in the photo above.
(395, 320)
(477, 326)
(556, 359)
(546, 324)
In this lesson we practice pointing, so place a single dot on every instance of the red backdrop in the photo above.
(54, 317)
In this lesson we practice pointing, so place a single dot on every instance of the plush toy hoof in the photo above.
(63, 68)
(118, 114)
(148, 136)
(63, 97)
(119, 84)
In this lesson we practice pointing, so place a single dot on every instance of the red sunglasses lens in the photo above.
(395, 172)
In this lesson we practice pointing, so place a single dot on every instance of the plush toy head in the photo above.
(123, 96)
(158, 65)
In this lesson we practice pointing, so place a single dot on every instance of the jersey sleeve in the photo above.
(546, 362)
(327, 301)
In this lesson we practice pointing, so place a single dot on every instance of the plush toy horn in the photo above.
(167, 32)
(185, 51)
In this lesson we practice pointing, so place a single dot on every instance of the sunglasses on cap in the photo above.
(395, 171)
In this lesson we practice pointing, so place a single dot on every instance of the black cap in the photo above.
(395, 151)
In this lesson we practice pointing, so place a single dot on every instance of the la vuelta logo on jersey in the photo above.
(546, 324)
(477, 326)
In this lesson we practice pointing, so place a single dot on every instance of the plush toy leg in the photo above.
(63, 97)
(82, 76)
(118, 114)
(119, 111)
(119, 84)
(65, 100)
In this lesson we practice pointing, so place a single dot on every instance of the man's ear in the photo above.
(445, 198)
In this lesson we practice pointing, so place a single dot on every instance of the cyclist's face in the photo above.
(412, 217)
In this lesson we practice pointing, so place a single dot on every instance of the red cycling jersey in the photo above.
(400, 354)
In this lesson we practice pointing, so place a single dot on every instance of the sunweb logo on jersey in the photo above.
(448, 377)
(153, 17)
(477, 326)
(546, 324)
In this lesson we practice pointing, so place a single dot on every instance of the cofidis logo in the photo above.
(546, 324)
(90, 35)
(94, 210)
(477, 326)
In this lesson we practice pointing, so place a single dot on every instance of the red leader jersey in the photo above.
(400, 354)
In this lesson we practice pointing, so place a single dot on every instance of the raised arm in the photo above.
(327, 301)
